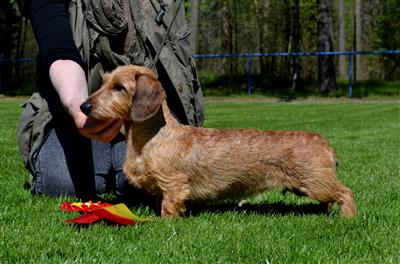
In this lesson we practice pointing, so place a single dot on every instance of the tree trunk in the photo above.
(235, 37)
(326, 64)
(20, 47)
(226, 36)
(261, 13)
(285, 63)
(358, 40)
(342, 39)
(194, 24)
(297, 80)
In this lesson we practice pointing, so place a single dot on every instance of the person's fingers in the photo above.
(108, 133)
(101, 130)
(93, 126)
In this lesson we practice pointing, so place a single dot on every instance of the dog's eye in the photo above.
(118, 88)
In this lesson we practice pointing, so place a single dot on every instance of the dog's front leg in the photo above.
(171, 207)
(174, 196)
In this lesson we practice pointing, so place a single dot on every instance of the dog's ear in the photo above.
(147, 98)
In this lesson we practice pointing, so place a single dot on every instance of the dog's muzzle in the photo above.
(86, 108)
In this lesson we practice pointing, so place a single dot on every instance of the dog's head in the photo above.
(129, 93)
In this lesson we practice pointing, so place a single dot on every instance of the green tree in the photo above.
(388, 38)
(9, 20)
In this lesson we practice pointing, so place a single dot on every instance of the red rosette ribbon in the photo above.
(93, 212)
(83, 207)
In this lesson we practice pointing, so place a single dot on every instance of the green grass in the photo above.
(273, 229)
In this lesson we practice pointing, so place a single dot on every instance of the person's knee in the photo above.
(47, 182)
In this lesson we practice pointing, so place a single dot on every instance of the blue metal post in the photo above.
(350, 76)
(249, 66)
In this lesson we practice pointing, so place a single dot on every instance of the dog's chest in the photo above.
(139, 173)
(138, 166)
(135, 169)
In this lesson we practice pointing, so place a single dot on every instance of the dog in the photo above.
(180, 163)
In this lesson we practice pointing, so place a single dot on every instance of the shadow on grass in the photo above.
(141, 199)
(277, 208)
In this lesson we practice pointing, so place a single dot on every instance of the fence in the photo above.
(250, 57)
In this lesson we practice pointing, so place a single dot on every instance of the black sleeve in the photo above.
(50, 23)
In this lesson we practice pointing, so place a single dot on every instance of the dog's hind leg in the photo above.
(348, 206)
(328, 190)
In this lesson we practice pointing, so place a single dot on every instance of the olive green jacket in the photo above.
(96, 24)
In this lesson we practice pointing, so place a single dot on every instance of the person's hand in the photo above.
(103, 131)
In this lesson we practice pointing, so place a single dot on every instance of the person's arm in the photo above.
(50, 23)
(69, 81)
(64, 65)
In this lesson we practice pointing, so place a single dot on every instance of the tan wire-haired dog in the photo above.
(181, 163)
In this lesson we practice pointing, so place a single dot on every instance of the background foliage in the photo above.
(234, 26)
(270, 30)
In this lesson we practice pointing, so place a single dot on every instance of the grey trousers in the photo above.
(69, 164)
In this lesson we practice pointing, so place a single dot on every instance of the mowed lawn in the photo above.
(273, 228)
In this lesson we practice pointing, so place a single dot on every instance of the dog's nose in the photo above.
(86, 108)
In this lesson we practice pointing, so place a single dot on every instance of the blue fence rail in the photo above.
(16, 60)
(250, 57)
